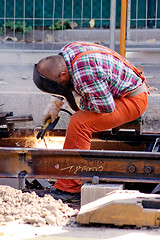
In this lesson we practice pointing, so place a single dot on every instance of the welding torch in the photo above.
(48, 126)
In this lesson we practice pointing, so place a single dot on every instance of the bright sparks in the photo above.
(50, 143)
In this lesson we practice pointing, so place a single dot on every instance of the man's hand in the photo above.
(52, 109)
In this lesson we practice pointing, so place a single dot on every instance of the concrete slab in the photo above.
(91, 192)
(121, 208)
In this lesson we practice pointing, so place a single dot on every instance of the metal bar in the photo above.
(43, 38)
(101, 14)
(62, 19)
(72, 10)
(156, 18)
(19, 119)
(53, 20)
(112, 24)
(128, 19)
(146, 20)
(82, 15)
(5, 10)
(123, 27)
(33, 37)
(136, 19)
(91, 9)
(24, 22)
(81, 164)
(14, 20)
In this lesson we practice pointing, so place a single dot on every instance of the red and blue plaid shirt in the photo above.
(98, 77)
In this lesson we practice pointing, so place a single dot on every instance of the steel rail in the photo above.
(121, 166)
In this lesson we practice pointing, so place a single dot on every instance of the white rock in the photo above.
(50, 219)
(9, 218)
(51, 207)
(30, 220)
(41, 221)
(2, 210)
(30, 208)
(44, 213)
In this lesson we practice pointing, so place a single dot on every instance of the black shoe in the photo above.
(64, 196)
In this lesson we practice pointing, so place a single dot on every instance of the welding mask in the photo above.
(53, 87)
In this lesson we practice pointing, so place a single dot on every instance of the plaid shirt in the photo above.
(98, 77)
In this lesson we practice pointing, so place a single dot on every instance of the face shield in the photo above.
(53, 87)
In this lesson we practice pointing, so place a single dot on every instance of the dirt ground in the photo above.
(25, 216)
(15, 231)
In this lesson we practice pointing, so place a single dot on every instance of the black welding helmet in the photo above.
(53, 87)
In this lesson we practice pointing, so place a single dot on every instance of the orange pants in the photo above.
(83, 123)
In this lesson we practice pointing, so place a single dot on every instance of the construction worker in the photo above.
(112, 91)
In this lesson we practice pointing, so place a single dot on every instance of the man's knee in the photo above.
(77, 118)
(74, 122)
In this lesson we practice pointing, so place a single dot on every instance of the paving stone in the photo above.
(91, 192)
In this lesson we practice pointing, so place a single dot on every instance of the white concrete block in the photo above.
(91, 192)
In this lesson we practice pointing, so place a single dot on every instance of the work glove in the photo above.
(52, 109)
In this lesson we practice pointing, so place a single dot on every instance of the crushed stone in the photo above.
(32, 209)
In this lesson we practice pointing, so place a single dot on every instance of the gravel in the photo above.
(32, 209)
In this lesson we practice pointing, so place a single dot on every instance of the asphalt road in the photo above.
(18, 78)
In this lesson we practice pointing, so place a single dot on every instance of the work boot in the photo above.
(64, 196)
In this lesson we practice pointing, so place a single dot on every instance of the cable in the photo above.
(64, 110)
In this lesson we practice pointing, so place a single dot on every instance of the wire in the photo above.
(64, 110)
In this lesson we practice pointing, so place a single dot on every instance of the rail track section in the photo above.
(125, 157)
